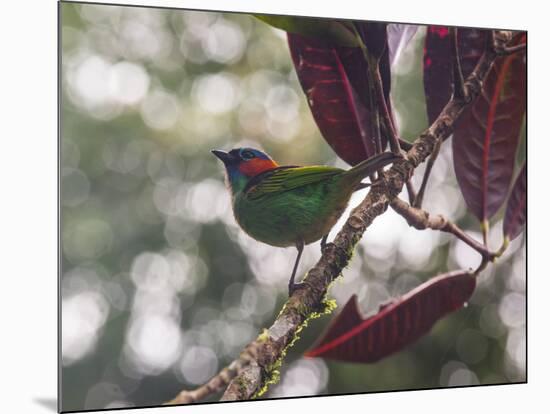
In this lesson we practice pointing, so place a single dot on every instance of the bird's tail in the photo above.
(370, 165)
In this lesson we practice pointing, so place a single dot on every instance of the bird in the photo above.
(291, 205)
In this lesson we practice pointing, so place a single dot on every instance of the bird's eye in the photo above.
(247, 155)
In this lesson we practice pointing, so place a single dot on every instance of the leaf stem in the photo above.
(505, 244)
(374, 116)
(510, 50)
(458, 78)
(494, 256)
(383, 108)
(421, 220)
(429, 165)
(379, 105)
(485, 231)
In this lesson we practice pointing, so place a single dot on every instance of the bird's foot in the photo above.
(294, 287)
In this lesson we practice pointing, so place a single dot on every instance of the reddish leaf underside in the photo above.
(516, 209)
(351, 338)
(486, 137)
(437, 63)
(334, 79)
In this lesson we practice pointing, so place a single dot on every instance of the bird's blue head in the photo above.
(241, 164)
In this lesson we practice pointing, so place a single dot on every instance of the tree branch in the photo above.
(404, 144)
(240, 390)
(421, 220)
(217, 383)
(269, 348)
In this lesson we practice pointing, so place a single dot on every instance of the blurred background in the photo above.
(160, 289)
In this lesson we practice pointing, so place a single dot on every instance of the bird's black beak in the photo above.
(225, 157)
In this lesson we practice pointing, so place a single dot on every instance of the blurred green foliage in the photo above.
(161, 289)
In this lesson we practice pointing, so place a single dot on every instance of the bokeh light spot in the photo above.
(199, 363)
(82, 316)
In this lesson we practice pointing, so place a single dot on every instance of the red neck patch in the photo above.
(256, 166)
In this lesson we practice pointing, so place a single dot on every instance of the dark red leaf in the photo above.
(486, 137)
(336, 32)
(334, 79)
(374, 36)
(516, 210)
(437, 63)
(351, 338)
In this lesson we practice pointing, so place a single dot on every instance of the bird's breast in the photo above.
(284, 218)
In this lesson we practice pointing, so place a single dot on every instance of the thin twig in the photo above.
(510, 50)
(374, 102)
(458, 78)
(503, 48)
(410, 191)
(379, 105)
(375, 124)
(421, 220)
(374, 113)
(384, 111)
(501, 39)
(420, 196)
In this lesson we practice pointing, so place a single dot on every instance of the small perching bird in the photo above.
(290, 205)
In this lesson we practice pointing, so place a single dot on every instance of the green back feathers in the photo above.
(284, 179)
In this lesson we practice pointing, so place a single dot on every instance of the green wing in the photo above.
(288, 178)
